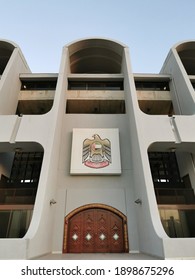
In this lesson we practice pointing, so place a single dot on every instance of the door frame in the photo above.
(91, 206)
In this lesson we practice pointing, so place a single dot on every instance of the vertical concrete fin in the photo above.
(175, 130)
(15, 130)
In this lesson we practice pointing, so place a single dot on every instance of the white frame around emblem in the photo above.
(109, 135)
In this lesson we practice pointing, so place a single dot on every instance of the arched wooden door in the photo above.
(95, 229)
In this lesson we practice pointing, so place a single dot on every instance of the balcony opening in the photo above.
(6, 50)
(38, 85)
(178, 223)
(186, 52)
(174, 190)
(19, 176)
(95, 56)
(95, 85)
(152, 86)
(36, 95)
(154, 96)
(95, 107)
(95, 97)
(14, 223)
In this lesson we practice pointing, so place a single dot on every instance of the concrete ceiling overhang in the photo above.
(186, 52)
(6, 49)
(95, 56)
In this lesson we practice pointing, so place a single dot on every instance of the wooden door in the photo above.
(95, 230)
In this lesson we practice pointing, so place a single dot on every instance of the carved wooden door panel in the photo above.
(95, 231)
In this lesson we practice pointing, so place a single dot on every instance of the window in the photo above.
(20, 186)
(154, 96)
(164, 168)
(14, 223)
(26, 167)
(36, 95)
(38, 84)
(156, 86)
(95, 97)
(98, 85)
(19, 177)
(174, 196)
(178, 222)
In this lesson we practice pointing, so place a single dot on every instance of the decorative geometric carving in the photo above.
(75, 237)
(102, 228)
(102, 220)
(116, 236)
(75, 228)
(115, 227)
(88, 236)
(102, 236)
(89, 220)
(89, 228)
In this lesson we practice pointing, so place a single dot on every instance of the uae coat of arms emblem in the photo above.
(96, 152)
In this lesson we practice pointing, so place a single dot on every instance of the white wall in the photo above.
(45, 130)
(40, 233)
(10, 83)
(142, 130)
(183, 97)
(77, 190)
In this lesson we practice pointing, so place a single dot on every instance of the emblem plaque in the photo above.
(95, 151)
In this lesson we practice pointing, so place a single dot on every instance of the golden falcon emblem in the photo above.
(96, 152)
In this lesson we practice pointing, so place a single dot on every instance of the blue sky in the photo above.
(148, 27)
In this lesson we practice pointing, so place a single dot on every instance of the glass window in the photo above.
(92, 85)
(178, 223)
(157, 86)
(14, 223)
(39, 85)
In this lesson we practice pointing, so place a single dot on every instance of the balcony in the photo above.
(16, 196)
(153, 94)
(15, 220)
(95, 102)
(155, 102)
(174, 196)
(178, 222)
(35, 102)
(37, 93)
(19, 177)
(95, 94)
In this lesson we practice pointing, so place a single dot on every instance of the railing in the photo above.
(96, 94)
(14, 222)
(17, 195)
(36, 94)
(178, 222)
(95, 102)
(175, 196)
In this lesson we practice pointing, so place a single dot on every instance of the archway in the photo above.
(95, 228)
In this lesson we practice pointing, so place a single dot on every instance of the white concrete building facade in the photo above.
(96, 158)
